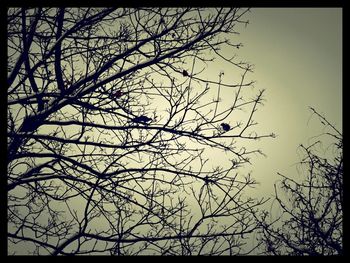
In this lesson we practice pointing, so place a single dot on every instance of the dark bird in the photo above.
(141, 119)
(31, 123)
(185, 73)
(118, 94)
(225, 126)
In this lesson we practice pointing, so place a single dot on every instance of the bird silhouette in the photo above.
(28, 125)
(185, 73)
(118, 94)
(141, 119)
(225, 126)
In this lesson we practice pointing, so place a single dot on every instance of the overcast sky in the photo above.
(297, 53)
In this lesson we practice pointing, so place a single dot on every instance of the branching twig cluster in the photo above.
(109, 139)
(311, 219)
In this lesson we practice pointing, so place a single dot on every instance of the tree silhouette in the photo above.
(311, 220)
(83, 177)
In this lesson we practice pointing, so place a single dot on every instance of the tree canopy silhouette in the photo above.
(311, 207)
(83, 177)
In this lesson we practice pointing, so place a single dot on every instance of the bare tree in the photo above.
(311, 220)
(111, 125)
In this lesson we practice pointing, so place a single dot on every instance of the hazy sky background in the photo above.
(297, 53)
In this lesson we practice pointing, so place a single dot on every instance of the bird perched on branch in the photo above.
(142, 119)
(225, 126)
(29, 125)
(185, 73)
(117, 94)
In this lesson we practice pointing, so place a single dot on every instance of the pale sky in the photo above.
(297, 53)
